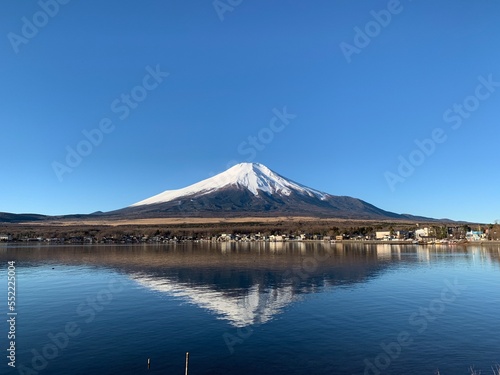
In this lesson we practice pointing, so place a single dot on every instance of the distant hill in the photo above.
(6, 217)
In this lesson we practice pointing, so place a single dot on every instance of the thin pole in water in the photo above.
(187, 362)
(149, 363)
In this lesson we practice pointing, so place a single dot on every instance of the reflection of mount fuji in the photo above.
(256, 290)
(256, 306)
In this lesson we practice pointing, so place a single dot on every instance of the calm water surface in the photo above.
(293, 308)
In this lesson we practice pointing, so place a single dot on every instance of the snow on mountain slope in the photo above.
(253, 176)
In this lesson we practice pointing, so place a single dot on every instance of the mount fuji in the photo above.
(252, 189)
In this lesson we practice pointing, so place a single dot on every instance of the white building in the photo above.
(5, 237)
(475, 236)
(382, 235)
(419, 233)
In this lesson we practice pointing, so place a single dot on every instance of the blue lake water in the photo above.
(259, 308)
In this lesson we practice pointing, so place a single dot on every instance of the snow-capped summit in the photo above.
(255, 177)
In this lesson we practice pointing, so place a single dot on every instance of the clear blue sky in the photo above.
(360, 100)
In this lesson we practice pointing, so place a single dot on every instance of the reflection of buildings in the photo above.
(255, 306)
(384, 251)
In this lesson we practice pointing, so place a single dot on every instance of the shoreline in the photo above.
(247, 229)
(49, 242)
